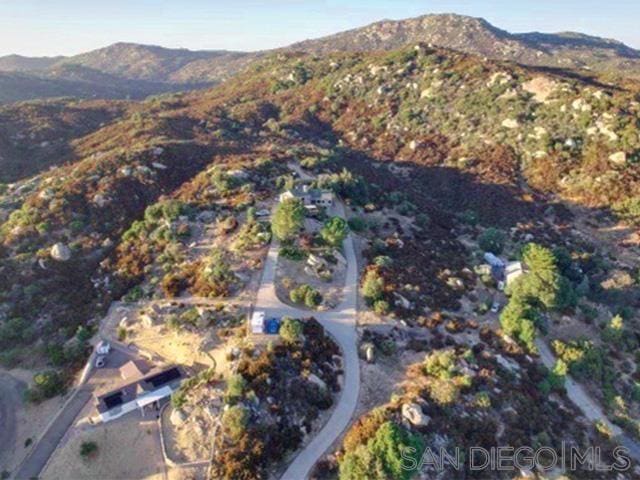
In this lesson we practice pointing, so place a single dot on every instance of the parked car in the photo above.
(100, 361)
(103, 348)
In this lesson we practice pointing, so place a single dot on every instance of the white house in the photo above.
(136, 395)
(310, 196)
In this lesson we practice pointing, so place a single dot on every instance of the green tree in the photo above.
(372, 286)
(288, 219)
(492, 240)
(235, 421)
(334, 231)
(382, 457)
(518, 321)
(290, 330)
(235, 388)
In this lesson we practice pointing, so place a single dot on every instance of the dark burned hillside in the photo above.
(476, 139)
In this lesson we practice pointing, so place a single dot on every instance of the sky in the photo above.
(66, 27)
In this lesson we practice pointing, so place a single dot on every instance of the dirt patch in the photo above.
(127, 448)
(30, 420)
(290, 272)
(188, 439)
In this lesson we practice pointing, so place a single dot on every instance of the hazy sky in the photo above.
(41, 27)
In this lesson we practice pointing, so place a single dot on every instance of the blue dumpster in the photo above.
(272, 326)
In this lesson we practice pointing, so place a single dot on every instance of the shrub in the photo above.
(234, 421)
(357, 224)
(235, 388)
(440, 364)
(46, 385)
(306, 295)
(381, 307)
(614, 331)
(383, 261)
(382, 457)
(88, 449)
(292, 252)
(372, 286)
(291, 330)
(628, 210)
(334, 231)
(492, 240)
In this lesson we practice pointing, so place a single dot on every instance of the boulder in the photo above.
(100, 200)
(510, 123)
(178, 417)
(370, 354)
(60, 252)
(313, 378)
(618, 158)
(412, 412)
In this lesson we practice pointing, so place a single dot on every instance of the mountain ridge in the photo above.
(183, 68)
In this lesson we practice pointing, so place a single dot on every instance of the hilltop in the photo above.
(133, 70)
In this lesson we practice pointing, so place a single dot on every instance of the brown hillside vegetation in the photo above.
(472, 134)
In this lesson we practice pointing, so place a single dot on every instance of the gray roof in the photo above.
(131, 391)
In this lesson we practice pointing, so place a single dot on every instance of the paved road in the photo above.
(586, 404)
(340, 323)
(11, 391)
(39, 456)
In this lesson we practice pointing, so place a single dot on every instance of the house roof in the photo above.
(130, 391)
(130, 370)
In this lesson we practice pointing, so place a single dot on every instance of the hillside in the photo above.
(481, 136)
(430, 148)
(132, 70)
(20, 63)
(157, 64)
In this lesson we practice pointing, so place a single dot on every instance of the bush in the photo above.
(357, 224)
(334, 231)
(291, 330)
(381, 307)
(492, 240)
(440, 364)
(235, 388)
(628, 210)
(372, 286)
(46, 385)
(88, 449)
(292, 252)
(382, 457)
(306, 295)
(234, 421)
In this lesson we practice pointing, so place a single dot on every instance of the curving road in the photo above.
(11, 391)
(589, 407)
(341, 324)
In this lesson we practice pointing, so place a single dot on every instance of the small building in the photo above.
(138, 394)
(310, 196)
(257, 322)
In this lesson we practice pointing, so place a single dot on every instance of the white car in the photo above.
(100, 361)
(495, 307)
(103, 348)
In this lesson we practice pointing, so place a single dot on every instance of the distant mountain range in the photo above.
(131, 70)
